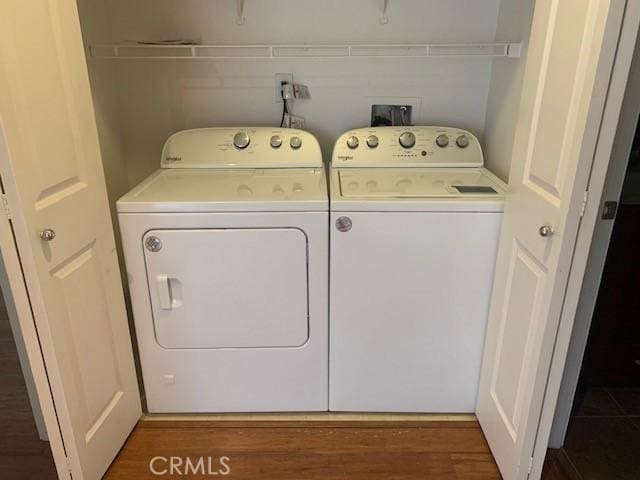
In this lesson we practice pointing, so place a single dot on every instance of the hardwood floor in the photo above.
(328, 450)
(314, 450)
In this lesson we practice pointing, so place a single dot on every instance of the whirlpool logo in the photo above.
(187, 466)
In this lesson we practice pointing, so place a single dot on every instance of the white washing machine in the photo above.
(226, 248)
(415, 220)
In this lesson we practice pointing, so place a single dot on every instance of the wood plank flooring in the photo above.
(314, 450)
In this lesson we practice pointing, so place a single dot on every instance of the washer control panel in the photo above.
(407, 146)
(242, 147)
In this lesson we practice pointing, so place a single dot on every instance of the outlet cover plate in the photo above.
(282, 77)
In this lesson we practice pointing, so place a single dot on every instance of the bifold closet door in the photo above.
(53, 176)
(572, 47)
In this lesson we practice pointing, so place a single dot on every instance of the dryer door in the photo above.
(228, 288)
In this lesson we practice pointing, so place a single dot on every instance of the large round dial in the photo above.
(407, 140)
(241, 140)
(353, 142)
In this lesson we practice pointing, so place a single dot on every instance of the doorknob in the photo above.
(47, 235)
(545, 231)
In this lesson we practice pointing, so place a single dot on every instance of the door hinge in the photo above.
(609, 210)
(69, 468)
(530, 469)
(5, 206)
(585, 197)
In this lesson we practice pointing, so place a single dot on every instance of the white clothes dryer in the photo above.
(415, 220)
(226, 248)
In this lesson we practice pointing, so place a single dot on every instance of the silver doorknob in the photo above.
(545, 231)
(47, 235)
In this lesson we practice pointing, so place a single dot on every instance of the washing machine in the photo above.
(415, 220)
(226, 251)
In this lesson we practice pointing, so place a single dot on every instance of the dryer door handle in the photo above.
(164, 292)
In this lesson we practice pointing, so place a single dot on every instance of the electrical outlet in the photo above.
(294, 121)
(282, 77)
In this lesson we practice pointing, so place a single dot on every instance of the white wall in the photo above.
(162, 97)
(104, 87)
(514, 21)
(158, 97)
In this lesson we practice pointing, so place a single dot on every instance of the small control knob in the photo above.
(295, 143)
(353, 142)
(372, 141)
(462, 141)
(407, 140)
(241, 140)
(276, 141)
(442, 141)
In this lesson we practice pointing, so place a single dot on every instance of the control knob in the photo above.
(372, 141)
(462, 141)
(442, 140)
(295, 143)
(353, 142)
(241, 140)
(407, 140)
(276, 141)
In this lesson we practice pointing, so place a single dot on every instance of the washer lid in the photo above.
(418, 183)
(195, 190)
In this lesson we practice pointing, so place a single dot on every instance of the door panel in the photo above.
(229, 288)
(569, 62)
(54, 181)
(553, 123)
(517, 323)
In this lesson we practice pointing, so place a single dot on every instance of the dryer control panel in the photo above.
(241, 147)
(420, 146)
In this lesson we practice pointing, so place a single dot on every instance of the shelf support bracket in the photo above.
(384, 19)
(240, 12)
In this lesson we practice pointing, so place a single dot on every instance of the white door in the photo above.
(571, 52)
(53, 177)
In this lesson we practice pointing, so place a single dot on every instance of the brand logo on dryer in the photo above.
(172, 159)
